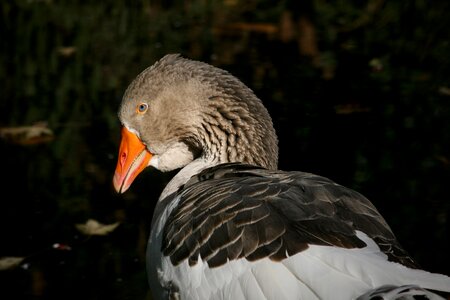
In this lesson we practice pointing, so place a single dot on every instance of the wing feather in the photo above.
(236, 211)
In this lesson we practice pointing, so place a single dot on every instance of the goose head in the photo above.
(178, 111)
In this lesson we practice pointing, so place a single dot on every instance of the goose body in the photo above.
(230, 225)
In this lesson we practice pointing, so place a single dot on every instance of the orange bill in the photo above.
(133, 158)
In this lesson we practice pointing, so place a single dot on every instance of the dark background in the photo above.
(359, 92)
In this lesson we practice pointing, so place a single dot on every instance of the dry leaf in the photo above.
(10, 262)
(93, 227)
(443, 90)
(27, 135)
(349, 108)
(242, 27)
(67, 51)
(59, 246)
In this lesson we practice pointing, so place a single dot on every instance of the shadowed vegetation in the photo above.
(359, 92)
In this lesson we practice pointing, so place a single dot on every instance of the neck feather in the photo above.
(195, 167)
(230, 132)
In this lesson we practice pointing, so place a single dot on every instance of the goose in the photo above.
(229, 224)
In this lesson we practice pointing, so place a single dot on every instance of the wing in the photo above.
(236, 211)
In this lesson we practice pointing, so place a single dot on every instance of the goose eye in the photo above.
(142, 108)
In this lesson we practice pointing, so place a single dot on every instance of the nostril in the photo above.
(123, 157)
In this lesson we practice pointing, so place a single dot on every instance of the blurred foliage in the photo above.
(358, 92)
